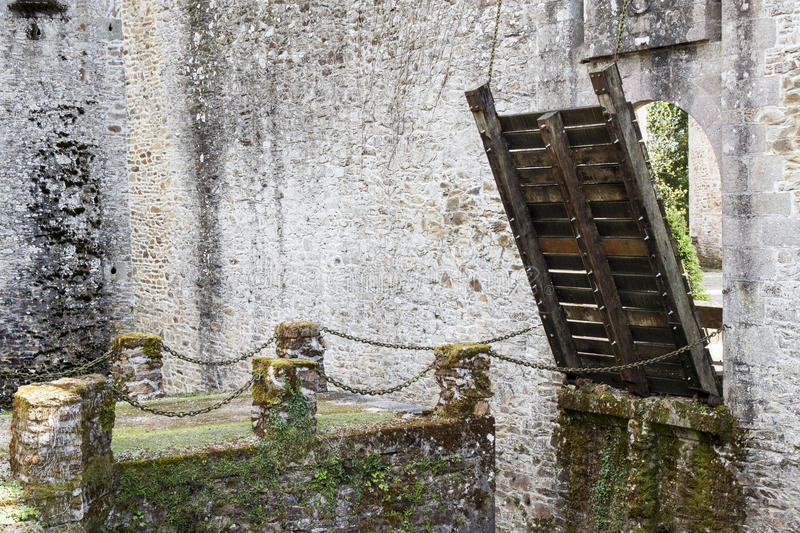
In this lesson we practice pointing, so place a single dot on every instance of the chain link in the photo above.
(247, 355)
(55, 375)
(183, 414)
(494, 39)
(620, 29)
(364, 340)
(511, 335)
(377, 392)
(607, 369)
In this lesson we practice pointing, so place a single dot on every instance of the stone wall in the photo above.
(705, 198)
(415, 476)
(634, 464)
(318, 159)
(65, 260)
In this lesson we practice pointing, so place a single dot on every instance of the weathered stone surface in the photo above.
(462, 372)
(414, 475)
(280, 380)
(302, 340)
(647, 464)
(65, 271)
(61, 450)
(136, 364)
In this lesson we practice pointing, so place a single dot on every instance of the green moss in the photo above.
(455, 355)
(265, 391)
(107, 414)
(150, 344)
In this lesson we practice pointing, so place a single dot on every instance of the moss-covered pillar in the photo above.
(279, 396)
(462, 372)
(61, 450)
(298, 339)
(136, 364)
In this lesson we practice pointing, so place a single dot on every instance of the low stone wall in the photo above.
(646, 464)
(420, 475)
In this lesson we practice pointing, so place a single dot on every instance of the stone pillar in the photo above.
(462, 372)
(297, 339)
(136, 364)
(61, 450)
(705, 198)
(280, 380)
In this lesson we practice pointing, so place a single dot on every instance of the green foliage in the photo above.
(668, 147)
(608, 490)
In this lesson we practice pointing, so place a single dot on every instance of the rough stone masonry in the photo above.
(316, 159)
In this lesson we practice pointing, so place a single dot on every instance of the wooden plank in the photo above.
(578, 136)
(608, 87)
(579, 116)
(710, 314)
(553, 317)
(553, 210)
(623, 247)
(582, 155)
(603, 192)
(634, 282)
(564, 262)
(584, 295)
(617, 227)
(593, 345)
(664, 371)
(586, 329)
(548, 227)
(599, 173)
(645, 334)
(611, 210)
(591, 244)
(630, 265)
(635, 317)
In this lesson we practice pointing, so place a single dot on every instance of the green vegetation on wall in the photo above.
(668, 147)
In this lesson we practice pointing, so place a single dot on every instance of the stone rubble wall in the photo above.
(65, 270)
(136, 365)
(318, 160)
(61, 450)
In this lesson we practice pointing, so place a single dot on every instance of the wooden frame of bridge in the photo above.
(594, 241)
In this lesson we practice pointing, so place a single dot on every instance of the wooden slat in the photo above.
(540, 194)
(633, 282)
(710, 314)
(599, 173)
(581, 155)
(635, 317)
(617, 227)
(586, 329)
(592, 248)
(639, 333)
(592, 345)
(560, 227)
(623, 247)
(662, 371)
(583, 295)
(579, 116)
(554, 210)
(553, 317)
(611, 210)
(630, 265)
(608, 87)
(578, 136)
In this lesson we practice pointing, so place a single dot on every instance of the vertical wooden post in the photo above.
(554, 320)
(589, 242)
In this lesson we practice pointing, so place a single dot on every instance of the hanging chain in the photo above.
(182, 414)
(494, 39)
(511, 335)
(246, 355)
(607, 369)
(55, 375)
(377, 392)
(621, 28)
(364, 340)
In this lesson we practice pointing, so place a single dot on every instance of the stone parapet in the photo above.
(298, 339)
(61, 449)
(136, 364)
(462, 372)
(275, 392)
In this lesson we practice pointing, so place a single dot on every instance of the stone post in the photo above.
(136, 365)
(297, 339)
(61, 450)
(273, 394)
(462, 372)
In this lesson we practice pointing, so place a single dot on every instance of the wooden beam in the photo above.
(594, 257)
(620, 121)
(553, 317)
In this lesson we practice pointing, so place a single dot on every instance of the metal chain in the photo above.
(246, 355)
(377, 392)
(607, 369)
(364, 340)
(513, 334)
(182, 414)
(620, 29)
(55, 375)
(494, 39)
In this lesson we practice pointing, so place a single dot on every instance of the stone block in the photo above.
(61, 449)
(297, 339)
(136, 364)
(280, 381)
(462, 372)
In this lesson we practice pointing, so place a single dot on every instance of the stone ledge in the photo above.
(671, 411)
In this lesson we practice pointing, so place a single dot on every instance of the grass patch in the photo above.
(327, 421)
(132, 441)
